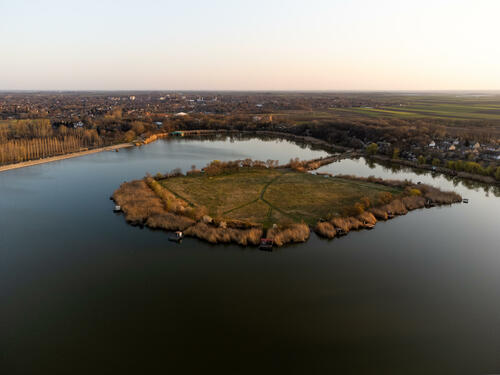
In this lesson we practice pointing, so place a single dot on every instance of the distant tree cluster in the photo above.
(218, 167)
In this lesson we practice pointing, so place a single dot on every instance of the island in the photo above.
(247, 202)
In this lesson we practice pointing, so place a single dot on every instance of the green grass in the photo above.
(268, 196)
(430, 106)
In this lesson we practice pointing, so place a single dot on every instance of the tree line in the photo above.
(30, 149)
(22, 140)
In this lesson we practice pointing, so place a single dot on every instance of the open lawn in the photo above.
(268, 196)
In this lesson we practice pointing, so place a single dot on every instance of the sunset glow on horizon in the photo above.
(251, 45)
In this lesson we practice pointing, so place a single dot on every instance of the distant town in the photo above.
(453, 131)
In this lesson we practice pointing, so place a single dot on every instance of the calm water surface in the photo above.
(82, 292)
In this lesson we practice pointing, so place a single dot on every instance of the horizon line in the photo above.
(255, 90)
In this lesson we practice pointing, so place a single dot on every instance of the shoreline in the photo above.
(51, 159)
(187, 134)
(345, 152)
(438, 169)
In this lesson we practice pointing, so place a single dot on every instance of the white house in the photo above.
(432, 144)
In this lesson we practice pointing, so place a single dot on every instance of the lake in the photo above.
(82, 292)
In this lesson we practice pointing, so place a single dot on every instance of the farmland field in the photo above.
(445, 107)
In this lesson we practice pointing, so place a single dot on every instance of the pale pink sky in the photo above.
(254, 45)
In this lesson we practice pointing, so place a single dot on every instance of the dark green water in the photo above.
(81, 292)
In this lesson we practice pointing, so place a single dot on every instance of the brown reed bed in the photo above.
(170, 203)
(281, 235)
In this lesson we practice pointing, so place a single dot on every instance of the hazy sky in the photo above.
(254, 45)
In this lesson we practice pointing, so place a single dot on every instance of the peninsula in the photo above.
(244, 201)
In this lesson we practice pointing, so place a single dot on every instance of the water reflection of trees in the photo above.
(234, 137)
(456, 181)
(386, 166)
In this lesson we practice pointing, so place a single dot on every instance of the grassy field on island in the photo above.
(269, 196)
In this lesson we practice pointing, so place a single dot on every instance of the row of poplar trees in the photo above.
(22, 141)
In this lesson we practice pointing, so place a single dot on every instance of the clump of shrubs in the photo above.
(288, 233)
(325, 229)
(217, 167)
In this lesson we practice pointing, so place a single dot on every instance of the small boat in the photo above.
(429, 204)
(340, 231)
(465, 200)
(176, 237)
(266, 244)
(117, 209)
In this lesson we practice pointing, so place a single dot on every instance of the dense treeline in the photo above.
(22, 140)
(349, 132)
(30, 149)
(28, 139)
(399, 136)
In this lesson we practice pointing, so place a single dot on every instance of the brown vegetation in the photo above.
(430, 193)
(386, 207)
(325, 229)
(154, 137)
(156, 205)
(138, 201)
(283, 234)
(168, 221)
(147, 202)
(413, 202)
(222, 234)
(367, 218)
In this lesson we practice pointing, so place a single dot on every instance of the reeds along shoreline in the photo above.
(417, 196)
(146, 202)
(281, 235)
